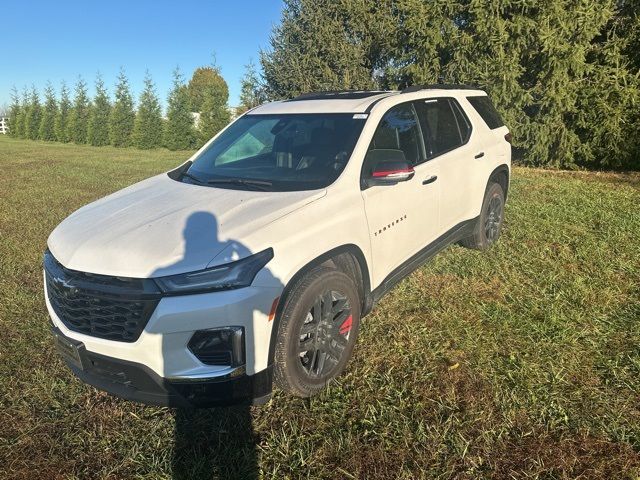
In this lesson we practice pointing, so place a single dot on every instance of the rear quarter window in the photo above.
(487, 111)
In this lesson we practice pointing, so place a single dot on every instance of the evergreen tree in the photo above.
(147, 131)
(316, 48)
(627, 24)
(62, 119)
(252, 91)
(555, 74)
(14, 111)
(79, 117)
(122, 115)
(49, 114)
(214, 116)
(21, 117)
(34, 114)
(179, 133)
(626, 29)
(98, 132)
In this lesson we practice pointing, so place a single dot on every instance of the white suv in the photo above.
(255, 260)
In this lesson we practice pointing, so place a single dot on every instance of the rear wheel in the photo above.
(489, 224)
(317, 332)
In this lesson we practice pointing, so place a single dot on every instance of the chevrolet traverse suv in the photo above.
(254, 262)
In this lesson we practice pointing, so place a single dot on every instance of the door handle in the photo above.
(429, 180)
(479, 155)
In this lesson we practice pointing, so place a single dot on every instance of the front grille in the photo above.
(114, 308)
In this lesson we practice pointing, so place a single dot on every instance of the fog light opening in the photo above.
(219, 346)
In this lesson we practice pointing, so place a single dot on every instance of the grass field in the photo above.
(521, 362)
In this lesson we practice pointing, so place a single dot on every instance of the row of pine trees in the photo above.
(76, 117)
(565, 74)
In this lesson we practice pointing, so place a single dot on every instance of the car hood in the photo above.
(162, 227)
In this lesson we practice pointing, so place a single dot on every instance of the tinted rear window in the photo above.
(487, 111)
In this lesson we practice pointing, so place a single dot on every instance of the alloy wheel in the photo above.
(324, 335)
(494, 219)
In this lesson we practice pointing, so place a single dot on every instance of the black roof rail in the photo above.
(439, 86)
(337, 94)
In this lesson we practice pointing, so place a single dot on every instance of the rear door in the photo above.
(404, 217)
(450, 151)
(495, 141)
(492, 139)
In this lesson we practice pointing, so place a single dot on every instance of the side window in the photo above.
(399, 129)
(445, 127)
(487, 111)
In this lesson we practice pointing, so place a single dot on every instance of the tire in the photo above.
(489, 224)
(315, 342)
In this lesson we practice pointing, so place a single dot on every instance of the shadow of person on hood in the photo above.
(213, 442)
(200, 236)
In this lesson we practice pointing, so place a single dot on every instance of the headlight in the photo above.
(223, 277)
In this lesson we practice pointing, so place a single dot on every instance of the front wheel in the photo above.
(317, 331)
(489, 225)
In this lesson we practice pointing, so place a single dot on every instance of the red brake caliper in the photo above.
(346, 325)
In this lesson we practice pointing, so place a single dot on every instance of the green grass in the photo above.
(520, 362)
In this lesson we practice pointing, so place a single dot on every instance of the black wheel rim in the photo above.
(324, 335)
(494, 219)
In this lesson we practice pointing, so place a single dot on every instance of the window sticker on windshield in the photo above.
(360, 116)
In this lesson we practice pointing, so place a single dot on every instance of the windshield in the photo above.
(281, 152)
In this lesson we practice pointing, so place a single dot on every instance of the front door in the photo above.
(403, 218)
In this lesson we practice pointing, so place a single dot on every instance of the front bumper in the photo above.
(162, 345)
(137, 382)
(158, 368)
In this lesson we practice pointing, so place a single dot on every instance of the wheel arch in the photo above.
(501, 175)
(338, 258)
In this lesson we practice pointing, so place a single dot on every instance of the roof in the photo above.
(338, 95)
(439, 86)
(322, 104)
(351, 101)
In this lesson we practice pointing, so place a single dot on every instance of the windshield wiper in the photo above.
(194, 178)
(261, 184)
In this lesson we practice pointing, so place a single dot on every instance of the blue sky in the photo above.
(59, 40)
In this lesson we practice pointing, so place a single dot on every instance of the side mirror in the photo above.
(390, 173)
